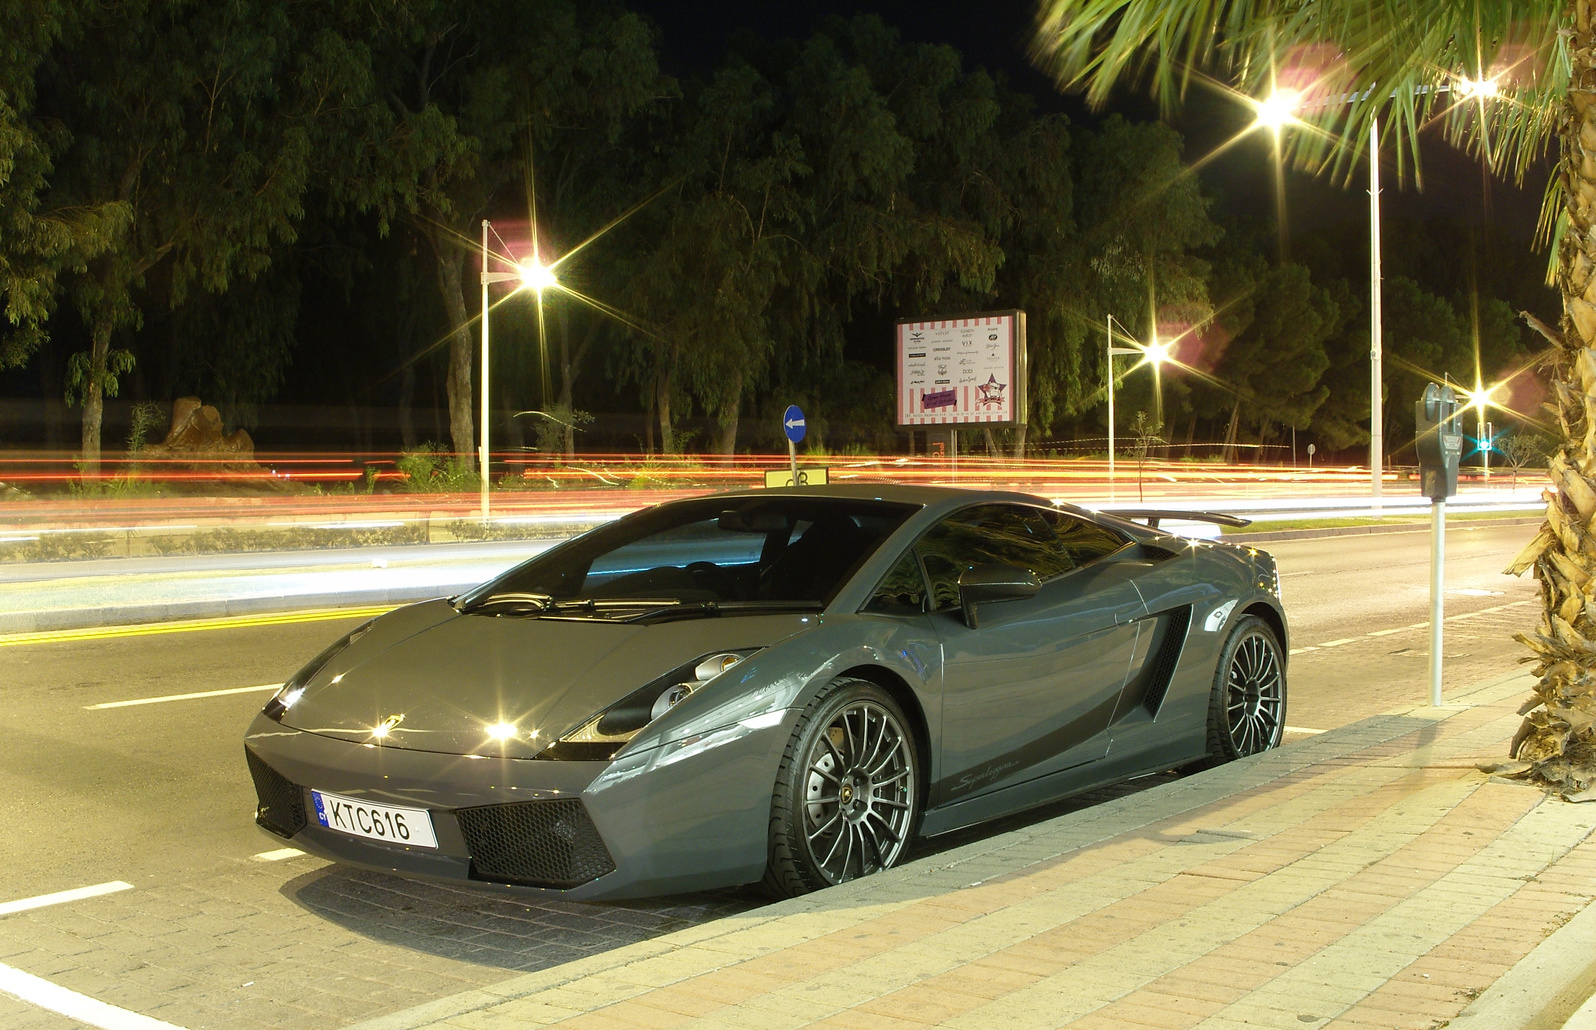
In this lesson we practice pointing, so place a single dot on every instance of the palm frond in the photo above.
(1349, 61)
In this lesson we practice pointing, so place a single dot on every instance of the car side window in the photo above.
(1082, 540)
(902, 590)
(1010, 534)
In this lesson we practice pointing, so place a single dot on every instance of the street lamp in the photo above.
(1154, 354)
(1478, 398)
(1278, 110)
(1274, 112)
(532, 275)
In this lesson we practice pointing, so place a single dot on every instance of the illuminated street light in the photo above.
(1155, 354)
(1478, 399)
(1477, 89)
(1278, 109)
(538, 277)
(533, 275)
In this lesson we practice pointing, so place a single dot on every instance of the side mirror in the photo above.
(994, 583)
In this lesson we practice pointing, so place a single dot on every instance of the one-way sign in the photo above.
(792, 421)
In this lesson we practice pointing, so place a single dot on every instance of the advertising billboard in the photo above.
(963, 371)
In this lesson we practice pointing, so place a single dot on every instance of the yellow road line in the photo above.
(193, 625)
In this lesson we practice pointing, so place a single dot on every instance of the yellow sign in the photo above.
(806, 477)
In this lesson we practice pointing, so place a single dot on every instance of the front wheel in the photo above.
(1247, 709)
(846, 799)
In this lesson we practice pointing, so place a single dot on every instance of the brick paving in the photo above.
(1366, 877)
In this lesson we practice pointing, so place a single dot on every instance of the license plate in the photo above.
(389, 823)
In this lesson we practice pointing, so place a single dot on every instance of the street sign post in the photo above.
(792, 423)
(1439, 443)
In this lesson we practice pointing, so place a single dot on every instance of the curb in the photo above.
(16, 623)
(1543, 991)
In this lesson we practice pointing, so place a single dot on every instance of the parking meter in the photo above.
(1439, 441)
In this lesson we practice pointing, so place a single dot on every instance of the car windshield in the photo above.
(779, 551)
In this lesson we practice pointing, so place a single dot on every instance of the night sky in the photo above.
(996, 35)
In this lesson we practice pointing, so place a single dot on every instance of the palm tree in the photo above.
(1504, 79)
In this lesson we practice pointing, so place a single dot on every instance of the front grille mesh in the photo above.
(282, 804)
(534, 844)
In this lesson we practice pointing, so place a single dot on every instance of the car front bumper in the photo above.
(689, 815)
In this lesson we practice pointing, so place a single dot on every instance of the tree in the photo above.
(1268, 343)
(192, 120)
(458, 96)
(43, 238)
(1542, 53)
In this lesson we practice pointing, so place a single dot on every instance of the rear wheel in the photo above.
(846, 800)
(1247, 709)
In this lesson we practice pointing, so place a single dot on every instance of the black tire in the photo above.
(844, 804)
(1247, 707)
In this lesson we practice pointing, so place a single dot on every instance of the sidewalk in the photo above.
(1367, 877)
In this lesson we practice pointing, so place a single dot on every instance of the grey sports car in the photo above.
(782, 685)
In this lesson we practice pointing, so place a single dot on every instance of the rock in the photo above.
(196, 435)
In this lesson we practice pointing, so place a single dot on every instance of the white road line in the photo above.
(1338, 643)
(1302, 729)
(76, 894)
(279, 854)
(1302, 650)
(1386, 632)
(46, 995)
(182, 697)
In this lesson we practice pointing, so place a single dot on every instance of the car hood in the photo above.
(447, 680)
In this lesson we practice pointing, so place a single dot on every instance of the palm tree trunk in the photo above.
(1557, 740)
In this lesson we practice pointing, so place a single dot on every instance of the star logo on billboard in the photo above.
(991, 392)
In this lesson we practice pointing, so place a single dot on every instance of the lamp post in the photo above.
(1275, 112)
(533, 275)
(1279, 110)
(1113, 351)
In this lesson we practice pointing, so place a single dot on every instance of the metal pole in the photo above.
(792, 459)
(1437, 585)
(1488, 435)
(1376, 380)
(953, 453)
(482, 463)
(1109, 354)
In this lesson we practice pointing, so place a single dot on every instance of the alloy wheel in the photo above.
(1254, 694)
(858, 791)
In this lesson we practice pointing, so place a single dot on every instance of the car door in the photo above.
(1032, 690)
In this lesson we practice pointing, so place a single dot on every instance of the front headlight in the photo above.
(289, 693)
(598, 739)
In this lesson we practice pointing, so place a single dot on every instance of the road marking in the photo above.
(182, 697)
(193, 625)
(1338, 643)
(76, 894)
(279, 854)
(1302, 650)
(1386, 632)
(1302, 729)
(46, 995)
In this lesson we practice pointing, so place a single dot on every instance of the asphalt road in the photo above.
(210, 933)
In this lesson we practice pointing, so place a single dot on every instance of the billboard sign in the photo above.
(963, 371)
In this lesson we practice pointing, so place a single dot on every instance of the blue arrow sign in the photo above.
(792, 421)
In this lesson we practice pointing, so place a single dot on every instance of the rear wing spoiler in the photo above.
(1155, 515)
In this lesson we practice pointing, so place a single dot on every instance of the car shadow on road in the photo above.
(492, 929)
(526, 934)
